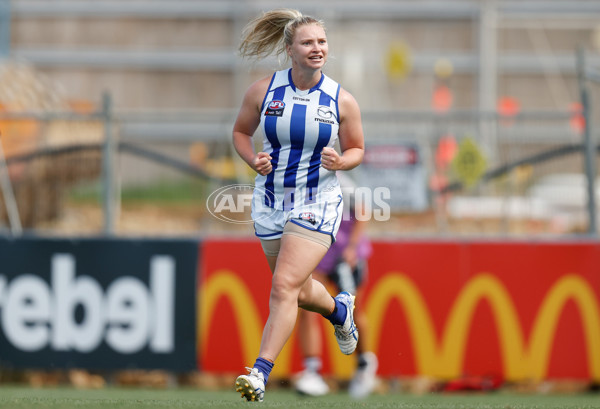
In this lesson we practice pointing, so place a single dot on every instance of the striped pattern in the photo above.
(294, 136)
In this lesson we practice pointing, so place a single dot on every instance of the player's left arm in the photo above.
(350, 135)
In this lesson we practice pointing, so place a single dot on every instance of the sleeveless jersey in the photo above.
(296, 125)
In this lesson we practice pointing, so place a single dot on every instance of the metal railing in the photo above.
(144, 149)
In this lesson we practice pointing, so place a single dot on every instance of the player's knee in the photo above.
(283, 287)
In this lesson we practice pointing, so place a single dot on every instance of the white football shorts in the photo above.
(323, 216)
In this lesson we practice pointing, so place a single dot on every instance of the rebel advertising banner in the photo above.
(517, 310)
(96, 303)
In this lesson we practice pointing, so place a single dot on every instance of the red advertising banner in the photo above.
(519, 310)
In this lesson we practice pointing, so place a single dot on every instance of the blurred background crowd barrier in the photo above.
(115, 117)
(89, 173)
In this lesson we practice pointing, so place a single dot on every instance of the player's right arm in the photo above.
(245, 125)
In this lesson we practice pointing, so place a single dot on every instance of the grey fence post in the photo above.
(4, 29)
(108, 185)
(8, 195)
(589, 143)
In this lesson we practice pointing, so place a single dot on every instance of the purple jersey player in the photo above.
(345, 266)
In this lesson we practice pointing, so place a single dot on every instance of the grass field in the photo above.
(17, 397)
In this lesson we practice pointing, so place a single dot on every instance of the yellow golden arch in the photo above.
(521, 360)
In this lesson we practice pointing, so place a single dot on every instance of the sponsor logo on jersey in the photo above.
(307, 217)
(325, 121)
(275, 108)
(326, 116)
(324, 112)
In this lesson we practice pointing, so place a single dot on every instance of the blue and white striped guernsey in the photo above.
(296, 126)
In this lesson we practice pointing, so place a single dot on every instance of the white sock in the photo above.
(313, 364)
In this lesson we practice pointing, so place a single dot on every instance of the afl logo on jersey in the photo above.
(275, 108)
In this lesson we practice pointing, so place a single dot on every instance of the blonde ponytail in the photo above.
(270, 32)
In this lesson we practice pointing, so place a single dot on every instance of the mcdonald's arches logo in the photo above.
(540, 321)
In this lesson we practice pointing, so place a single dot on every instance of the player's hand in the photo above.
(262, 163)
(330, 159)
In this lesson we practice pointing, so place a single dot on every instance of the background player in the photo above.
(344, 266)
